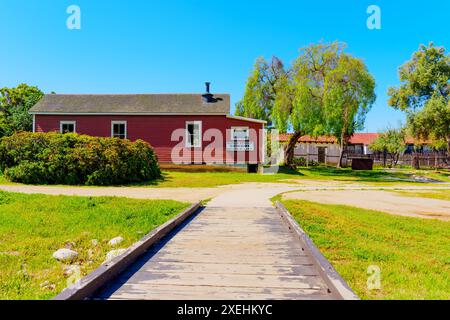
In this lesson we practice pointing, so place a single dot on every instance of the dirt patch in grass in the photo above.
(413, 254)
(434, 194)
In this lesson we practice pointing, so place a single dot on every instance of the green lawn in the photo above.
(32, 227)
(378, 177)
(4, 181)
(413, 254)
(213, 179)
(443, 175)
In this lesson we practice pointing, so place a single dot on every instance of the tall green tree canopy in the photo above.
(425, 92)
(14, 106)
(433, 121)
(349, 96)
(322, 83)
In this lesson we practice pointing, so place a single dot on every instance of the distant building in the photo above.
(155, 118)
(326, 149)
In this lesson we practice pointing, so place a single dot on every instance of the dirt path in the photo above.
(179, 194)
(258, 194)
(380, 201)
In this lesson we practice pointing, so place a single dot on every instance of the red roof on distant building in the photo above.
(285, 137)
(363, 138)
(357, 138)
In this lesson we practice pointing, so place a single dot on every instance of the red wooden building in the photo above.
(182, 128)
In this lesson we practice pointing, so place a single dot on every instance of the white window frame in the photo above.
(61, 123)
(199, 144)
(240, 128)
(119, 122)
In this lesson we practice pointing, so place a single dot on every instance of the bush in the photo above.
(301, 162)
(71, 159)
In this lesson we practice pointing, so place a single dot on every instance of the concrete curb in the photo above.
(337, 285)
(88, 285)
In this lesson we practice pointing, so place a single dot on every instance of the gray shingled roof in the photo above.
(133, 103)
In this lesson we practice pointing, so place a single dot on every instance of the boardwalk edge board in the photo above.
(337, 285)
(90, 284)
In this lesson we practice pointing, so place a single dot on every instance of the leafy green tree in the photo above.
(349, 96)
(14, 106)
(260, 90)
(424, 93)
(268, 91)
(392, 143)
(433, 121)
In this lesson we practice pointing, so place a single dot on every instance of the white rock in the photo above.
(115, 242)
(70, 270)
(113, 254)
(65, 255)
(94, 242)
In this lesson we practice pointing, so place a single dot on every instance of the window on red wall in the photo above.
(67, 126)
(193, 134)
(119, 129)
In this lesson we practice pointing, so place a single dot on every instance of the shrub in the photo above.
(301, 162)
(72, 159)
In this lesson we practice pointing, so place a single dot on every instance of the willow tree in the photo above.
(349, 96)
(326, 91)
(424, 94)
(291, 99)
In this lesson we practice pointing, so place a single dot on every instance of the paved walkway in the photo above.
(238, 247)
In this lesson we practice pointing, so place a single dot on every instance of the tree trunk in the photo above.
(416, 161)
(397, 158)
(290, 148)
(341, 152)
(448, 150)
(436, 154)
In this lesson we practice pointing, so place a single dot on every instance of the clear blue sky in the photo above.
(175, 46)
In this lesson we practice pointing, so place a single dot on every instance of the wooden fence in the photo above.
(431, 160)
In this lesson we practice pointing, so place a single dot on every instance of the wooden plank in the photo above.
(227, 280)
(177, 292)
(174, 252)
(229, 268)
(234, 259)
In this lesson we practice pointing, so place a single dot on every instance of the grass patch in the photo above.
(198, 179)
(376, 175)
(32, 227)
(4, 181)
(206, 177)
(178, 179)
(413, 254)
(443, 175)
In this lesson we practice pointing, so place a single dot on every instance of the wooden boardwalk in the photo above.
(224, 253)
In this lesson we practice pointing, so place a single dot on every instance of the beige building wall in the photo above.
(311, 151)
